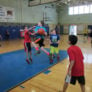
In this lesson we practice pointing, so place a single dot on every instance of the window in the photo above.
(86, 9)
(76, 10)
(81, 9)
(90, 10)
(71, 11)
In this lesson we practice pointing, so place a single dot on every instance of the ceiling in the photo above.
(60, 2)
(74, 2)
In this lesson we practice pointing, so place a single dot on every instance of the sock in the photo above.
(37, 48)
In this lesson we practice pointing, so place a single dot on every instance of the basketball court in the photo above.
(73, 17)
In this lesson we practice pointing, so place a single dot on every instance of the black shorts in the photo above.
(28, 46)
(81, 80)
(41, 42)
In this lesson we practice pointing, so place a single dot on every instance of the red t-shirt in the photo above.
(76, 55)
(27, 37)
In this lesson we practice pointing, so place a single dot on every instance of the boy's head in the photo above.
(53, 31)
(73, 39)
(26, 27)
(41, 23)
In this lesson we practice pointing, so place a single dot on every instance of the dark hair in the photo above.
(73, 39)
(24, 26)
(42, 22)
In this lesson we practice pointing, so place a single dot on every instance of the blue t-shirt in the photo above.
(54, 39)
(38, 35)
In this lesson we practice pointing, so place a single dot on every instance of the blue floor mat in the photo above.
(14, 69)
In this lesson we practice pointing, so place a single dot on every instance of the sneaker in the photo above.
(51, 61)
(27, 61)
(58, 58)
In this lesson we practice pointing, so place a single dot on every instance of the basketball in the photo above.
(41, 31)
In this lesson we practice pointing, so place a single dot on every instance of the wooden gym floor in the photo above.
(53, 82)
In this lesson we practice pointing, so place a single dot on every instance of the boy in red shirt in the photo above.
(27, 45)
(76, 67)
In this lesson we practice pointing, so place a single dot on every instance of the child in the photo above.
(27, 45)
(54, 41)
(40, 25)
(76, 67)
(41, 37)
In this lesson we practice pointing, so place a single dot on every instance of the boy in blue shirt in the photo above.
(54, 41)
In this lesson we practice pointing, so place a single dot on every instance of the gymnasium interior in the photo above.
(71, 17)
